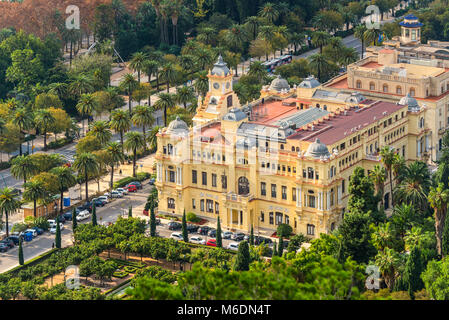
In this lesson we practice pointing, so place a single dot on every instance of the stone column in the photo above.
(300, 196)
(328, 200)
(298, 199)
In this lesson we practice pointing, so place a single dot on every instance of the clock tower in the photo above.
(220, 97)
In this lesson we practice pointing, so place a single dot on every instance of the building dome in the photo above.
(317, 150)
(279, 84)
(410, 21)
(235, 114)
(309, 82)
(178, 126)
(220, 68)
(409, 101)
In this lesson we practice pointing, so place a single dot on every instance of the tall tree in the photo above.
(166, 101)
(74, 222)
(121, 123)
(243, 259)
(9, 203)
(137, 63)
(359, 33)
(143, 117)
(129, 84)
(115, 156)
(66, 179)
(23, 167)
(86, 105)
(23, 120)
(44, 121)
(387, 157)
(152, 222)
(185, 235)
(320, 39)
(58, 234)
(219, 237)
(94, 214)
(86, 164)
(34, 191)
(100, 130)
(439, 199)
(168, 74)
(21, 260)
(134, 142)
(412, 272)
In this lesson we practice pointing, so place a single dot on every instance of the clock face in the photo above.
(216, 85)
(227, 85)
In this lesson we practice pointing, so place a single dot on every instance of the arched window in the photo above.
(293, 148)
(372, 86)
(325, 107)
(398, 90)
(310, 173)
(170, 203)
(412, 92)
(387, 201)
(317, 105)
(170, 149)
(243, 186)
(385, 88)
(358, 84)
(229, 100)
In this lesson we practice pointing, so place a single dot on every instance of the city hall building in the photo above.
(285, 158)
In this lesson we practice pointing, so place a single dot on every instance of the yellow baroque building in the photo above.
(285, 158)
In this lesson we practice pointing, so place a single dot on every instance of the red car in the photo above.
(211, 243)
(132, 188)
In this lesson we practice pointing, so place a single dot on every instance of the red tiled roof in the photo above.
(332, 130)
(372, 65)
(274, 111)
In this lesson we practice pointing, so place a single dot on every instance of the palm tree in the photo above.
(258, 70)
(168, 74)
(151, 68)
(129, 84)
(439, 199)
(398, 168)
(23, 167)
(297, 39)
(134, 142)
(387, 157)
(166, 101)
(137, 63)
(252, 25)
(86, 105)
(152, 137)
(59, 89)
(81, 84)
(44, 121)
(100, 130)
(66, 179)
(34, 190)
(120, 122)
(184, 95)
(9, 203)
(415, 185)
(115, 156)
(267, 33)
(86, 164)
(319, 64)
(203, 58)
(371, 36)
(359, 33)
(143, 117)
(207, 35)
(176, 10)
(236, 36)
(269, 11)
(378, 176)
(320, 39)
(187, 62)
(389, 263)
(348, 56)
(201, 83)
(23, 120)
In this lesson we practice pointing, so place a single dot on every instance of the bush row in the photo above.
(141, 176)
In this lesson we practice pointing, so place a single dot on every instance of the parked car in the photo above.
(123, 190)
(68, 215)
(137, 184)
(173, 225)
(238, 236)
(116, 194)
(246, 237)
(204, 230)
(34, 232)
(258, 240)
(191, 228)
(3, 247)
(99, 203)
(177, 236)
(227, 235)
(86, 206)
(132, 188)
(61, 227)
(212, 233)
(14, 239)
(211, 243)
(83, 215)
(39, 230)
(8, 242)
(197, 240)
(104, 199)
(233, 246)
(51, 222)
(61, 218)
(152, 181)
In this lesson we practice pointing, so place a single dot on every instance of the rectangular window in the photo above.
(224, 182)
(271, 218)
(287, 219)
(310, 230)
(294, 194)
(209, 206)
(171, 203)
(194, 176)
(263, 189)
(311, 201)
(273, 191)
(171, 175)
(284, 193)
(343, 186)
(193, 204)
(202, 204)
(214, 180)
(217, 208)
(278, 218)
(204, 178)
(262, 216)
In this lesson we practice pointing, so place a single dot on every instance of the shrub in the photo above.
(59, 143)
(5, 165)
(120, 274)
(130, 269)
(124, 181)
(191, 217)
(19, 227)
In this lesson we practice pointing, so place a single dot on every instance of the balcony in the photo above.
(239, 198)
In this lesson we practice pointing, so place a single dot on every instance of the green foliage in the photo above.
(21, 261)
(58, 235)
(284, 230)
(436, 280)
(192, 217)
(218, 236)
(412, 273)
(243, 258)
(141, 176)
(185, 235)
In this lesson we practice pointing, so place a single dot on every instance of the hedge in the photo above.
(109, 291)
(124, 181)
(130, 269)
(31, 262)
(120, 274)
(120, 262)
(58, 143)
(5, 165)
